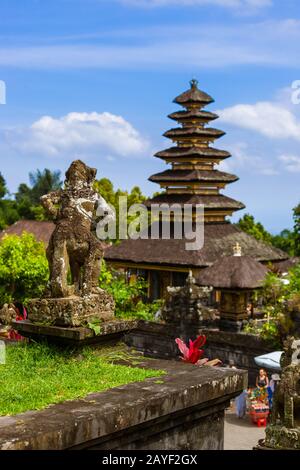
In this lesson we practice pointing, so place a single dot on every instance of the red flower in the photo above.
(14, 336)
(192, 353)
(21, 316)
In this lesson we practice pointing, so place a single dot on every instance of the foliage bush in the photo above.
(279, 296)
(23, 268)
(128, 295)
(24, 274)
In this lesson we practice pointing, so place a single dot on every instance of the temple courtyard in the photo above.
(185, 326)
(240, 434)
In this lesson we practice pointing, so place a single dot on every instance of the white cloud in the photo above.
(269, 119)
(291, 162)
(267, 43)
(79, 134)
(243, 158)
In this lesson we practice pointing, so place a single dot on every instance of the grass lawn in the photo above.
(37, 375)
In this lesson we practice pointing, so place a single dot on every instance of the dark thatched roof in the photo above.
(208, 176)
(233, 272)
(287, 265)
(213, 202)
(193, 95)
(194, 131)
(194, 114)
(199, 152)
(42, 230)
(219, 240)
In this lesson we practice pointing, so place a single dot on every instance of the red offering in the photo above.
(259, 413)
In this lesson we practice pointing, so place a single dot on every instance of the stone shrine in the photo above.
(188, 304)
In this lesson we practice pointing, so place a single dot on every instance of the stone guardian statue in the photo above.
(74, 254)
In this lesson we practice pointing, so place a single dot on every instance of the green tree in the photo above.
(8, 208)
(106, 189)
(285, 241)
(28, 197)
(297, 230)
(3, 188)
(248, 224)
(23, 268)
(43, 182)
(8, 213)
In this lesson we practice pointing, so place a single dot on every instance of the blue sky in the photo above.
(95, 79)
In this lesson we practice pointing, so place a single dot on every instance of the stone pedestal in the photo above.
(283, 431)
(280, 437)
(231, 325)
(111, 332)
(72, 311)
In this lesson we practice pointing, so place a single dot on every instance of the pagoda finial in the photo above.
(237, 250)
(194, 83)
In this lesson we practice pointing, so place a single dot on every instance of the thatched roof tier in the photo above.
(233, 272)
(218, 242)
(197, 132)
(211, 202)
(185, 176)
(193, 115)
(193, 96)
(175, 153)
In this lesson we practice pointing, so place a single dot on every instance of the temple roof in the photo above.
(218, 241)
(207, 176)
(233, 272)
(194, 131)
(211, 202)
(199, 152)
(286, 265)
(42, 230)
(193, 95)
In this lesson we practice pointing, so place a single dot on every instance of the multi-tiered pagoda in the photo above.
(192, 179)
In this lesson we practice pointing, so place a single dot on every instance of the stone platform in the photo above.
(158, 340)
(110, 332)
(182, 410)
(72, 311)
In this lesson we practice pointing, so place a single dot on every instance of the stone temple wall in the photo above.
(158, 340)
(182, 410)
